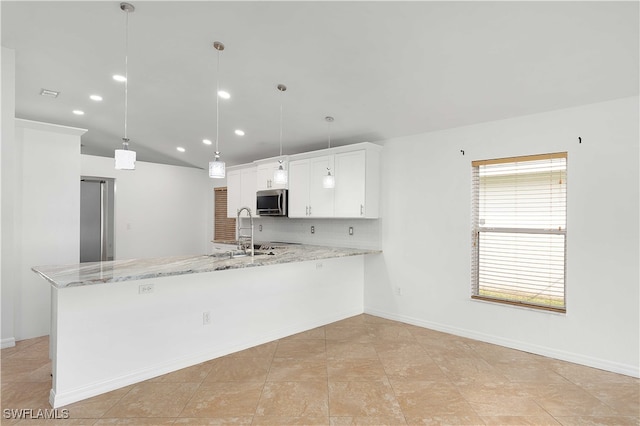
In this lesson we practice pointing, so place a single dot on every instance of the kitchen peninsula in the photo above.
(121, 322)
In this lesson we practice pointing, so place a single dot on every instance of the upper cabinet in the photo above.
(265, 172)
(241, 189)
(307, 197)
(356, 169)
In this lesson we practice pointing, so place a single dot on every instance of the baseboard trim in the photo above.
(58, 400)
(8, 342)
(602, 364)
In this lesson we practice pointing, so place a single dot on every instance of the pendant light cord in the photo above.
(281, 123)
(126, 78)
(217, 101)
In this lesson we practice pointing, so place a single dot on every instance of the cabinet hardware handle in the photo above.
(361, 209)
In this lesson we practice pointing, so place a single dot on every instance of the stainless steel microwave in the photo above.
(272, 202)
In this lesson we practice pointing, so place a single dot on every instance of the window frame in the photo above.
(478, 229)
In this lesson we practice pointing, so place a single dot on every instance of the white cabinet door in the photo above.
(321, 200)
(248, 196)
(350, 173)
(266, 176)
(241, 191)
(299, 188)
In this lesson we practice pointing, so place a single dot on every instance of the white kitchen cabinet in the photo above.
(265, 176)
(241, 190)
(356, 169)
(307, 197)
(350, 191)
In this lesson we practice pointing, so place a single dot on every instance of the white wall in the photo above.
(426, 235)
(328, 232)
(46, 225)
(8, 176)
(160, 210)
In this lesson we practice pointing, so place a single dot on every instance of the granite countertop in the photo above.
(63, 276)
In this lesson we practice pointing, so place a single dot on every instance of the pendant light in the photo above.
(280, 175)
(329, 181)
(217, 167)
(125, 158)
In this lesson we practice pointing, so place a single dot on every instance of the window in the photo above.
(224, 228)
(519, 230)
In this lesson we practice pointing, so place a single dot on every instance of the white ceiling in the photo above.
(382, 69)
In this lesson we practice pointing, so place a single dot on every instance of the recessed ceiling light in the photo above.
(181, 149)
(49, 93)
(78, 112)
(119, 78)
(239, 132)
(206, 141)
(96, 98)
(223, 94)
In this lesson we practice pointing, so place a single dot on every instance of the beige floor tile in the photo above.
(470, 370)
(449, 420)
(221, 421)
(338, 349)
(481, 392)
(301, 349)
(261, 351)
(598, 421)
(429, 399)
(231, 399)
(96, 406)
(345, 370)
(390, 333)
(232, 369)
(507, 406)
(415, 369)
(294, 399)
(135, 421)
(407, 349)
(582, 375)
(541, 420)
(296, 370)
(21, 369)
(372, 421)
(315, 333)
(56, 422)
(352, 334)
(31, 395)
(282, 421)
(565, 401)
(363, 399)
(153, 400)
(195, 374)
(624, 398)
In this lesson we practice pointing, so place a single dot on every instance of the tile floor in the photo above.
(362, 370)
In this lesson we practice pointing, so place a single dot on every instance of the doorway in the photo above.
(96, 219)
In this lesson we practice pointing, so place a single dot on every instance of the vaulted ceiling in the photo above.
(382, 69)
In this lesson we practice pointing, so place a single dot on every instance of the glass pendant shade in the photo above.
(280, 175)
(328, 181)
(217, 168)
(125, 159)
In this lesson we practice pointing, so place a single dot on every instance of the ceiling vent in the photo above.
(49, 93)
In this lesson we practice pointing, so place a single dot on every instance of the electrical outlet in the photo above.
(319, 265)
(351, 230)
(313, 229)
(260, 228)
(145, 288)
(398, 291)
(206, 318)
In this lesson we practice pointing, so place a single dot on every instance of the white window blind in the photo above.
(519, 230)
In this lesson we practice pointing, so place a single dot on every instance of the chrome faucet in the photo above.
(242, 239)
